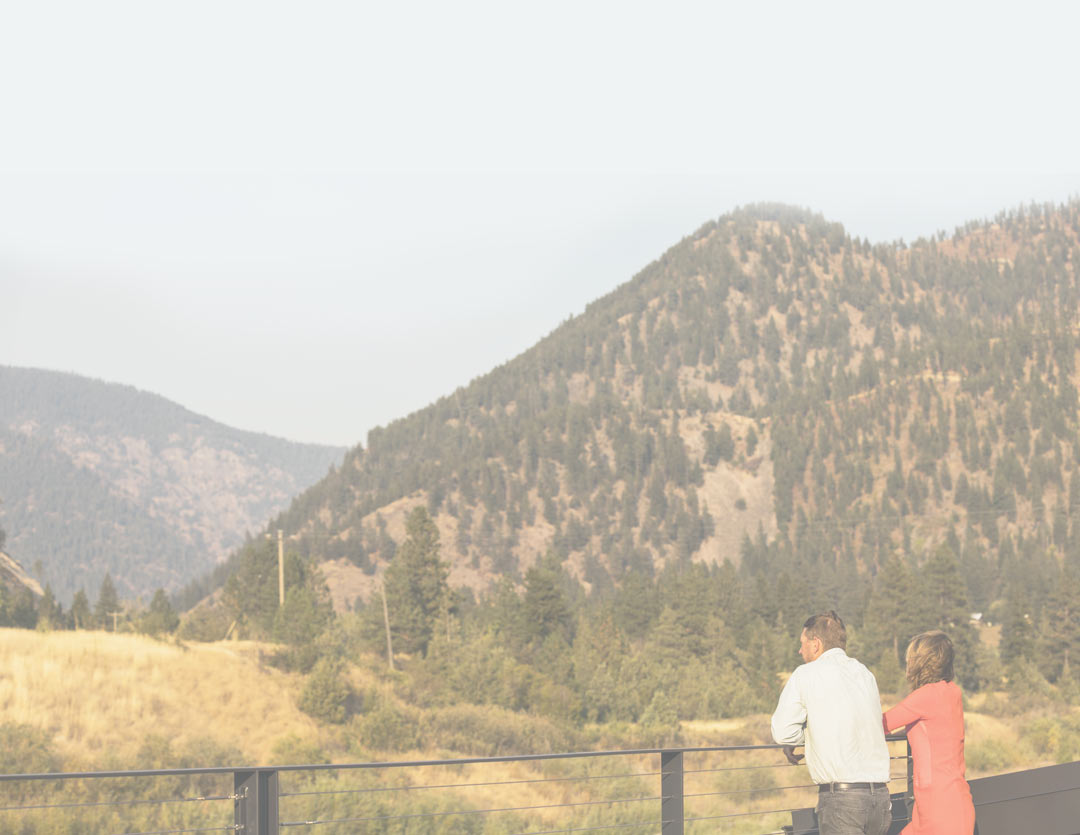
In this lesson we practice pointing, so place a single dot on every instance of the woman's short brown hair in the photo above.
(929, 658)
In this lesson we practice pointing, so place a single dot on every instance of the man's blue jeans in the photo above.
(854, 812)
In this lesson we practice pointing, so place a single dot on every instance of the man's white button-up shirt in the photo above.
(831, 706)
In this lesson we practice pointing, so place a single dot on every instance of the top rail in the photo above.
(188, 772)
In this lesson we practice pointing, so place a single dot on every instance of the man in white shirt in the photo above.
(831, 705)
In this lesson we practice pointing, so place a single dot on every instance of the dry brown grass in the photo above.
(100, 695)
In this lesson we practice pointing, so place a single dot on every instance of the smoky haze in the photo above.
(311, 222)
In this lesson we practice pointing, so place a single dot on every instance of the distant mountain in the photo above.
(770, 391)
(97, 477)
(14, 578)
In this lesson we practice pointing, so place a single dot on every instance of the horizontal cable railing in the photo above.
(742, 789)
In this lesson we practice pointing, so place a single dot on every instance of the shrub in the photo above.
(326, 694)
(296, 659)
(994, 755)
(205, 623)
(492, 731)
(295, 750)
(156, 752)
(202, 751)
(159, 617)
(1053, 738)
(389, 727)
(25, 749)
(660, 722)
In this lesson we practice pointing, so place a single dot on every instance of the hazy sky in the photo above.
(312, 218)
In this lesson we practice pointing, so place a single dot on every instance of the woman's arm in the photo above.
(908, 711)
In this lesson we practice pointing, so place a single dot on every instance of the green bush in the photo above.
(492, 731)
(160, 617)
(1053, 738)
(25, 749)
(156, 752)
(297, 659)
(203, 750)
(326, 694)
(389, 727)
(993, 755)
(295, 750)
(205, 623)
(660, 723)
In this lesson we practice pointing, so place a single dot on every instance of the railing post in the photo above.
(671, 792)
(910, 777)
(255, 809)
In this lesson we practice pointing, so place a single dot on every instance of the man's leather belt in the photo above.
(842, 787)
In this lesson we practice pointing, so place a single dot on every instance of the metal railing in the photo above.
(743, 789)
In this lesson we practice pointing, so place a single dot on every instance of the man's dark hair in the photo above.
(827, 628)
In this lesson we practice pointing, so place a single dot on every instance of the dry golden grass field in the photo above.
(102, 699)
(100, 696)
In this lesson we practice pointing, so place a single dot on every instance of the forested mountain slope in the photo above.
(769, 390)
(97, 477)
(773, 419)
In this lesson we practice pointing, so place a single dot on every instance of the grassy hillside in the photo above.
(102, 697)
(99, 697)
(142, 703)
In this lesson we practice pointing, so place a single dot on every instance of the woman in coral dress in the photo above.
(934, 717)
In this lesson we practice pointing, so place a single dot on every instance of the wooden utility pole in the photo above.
(115, 615)
(280, 568)
(386, 620)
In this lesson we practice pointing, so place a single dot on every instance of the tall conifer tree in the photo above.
(416, 588)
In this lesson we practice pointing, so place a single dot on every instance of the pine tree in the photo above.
(636, 605)
(547, 610)
(1059, 641)
(944, 592)
(24, 612)
(416, 588)
(251, 595)
(892, 613)
(108, 602)
(303, 617)
(79, 614)
(50, 612)
(946, 607)
(160, 617)
(1017, 629)
(751, 440)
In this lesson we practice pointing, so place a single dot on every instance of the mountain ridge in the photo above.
(770, 324)
(101, 477)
